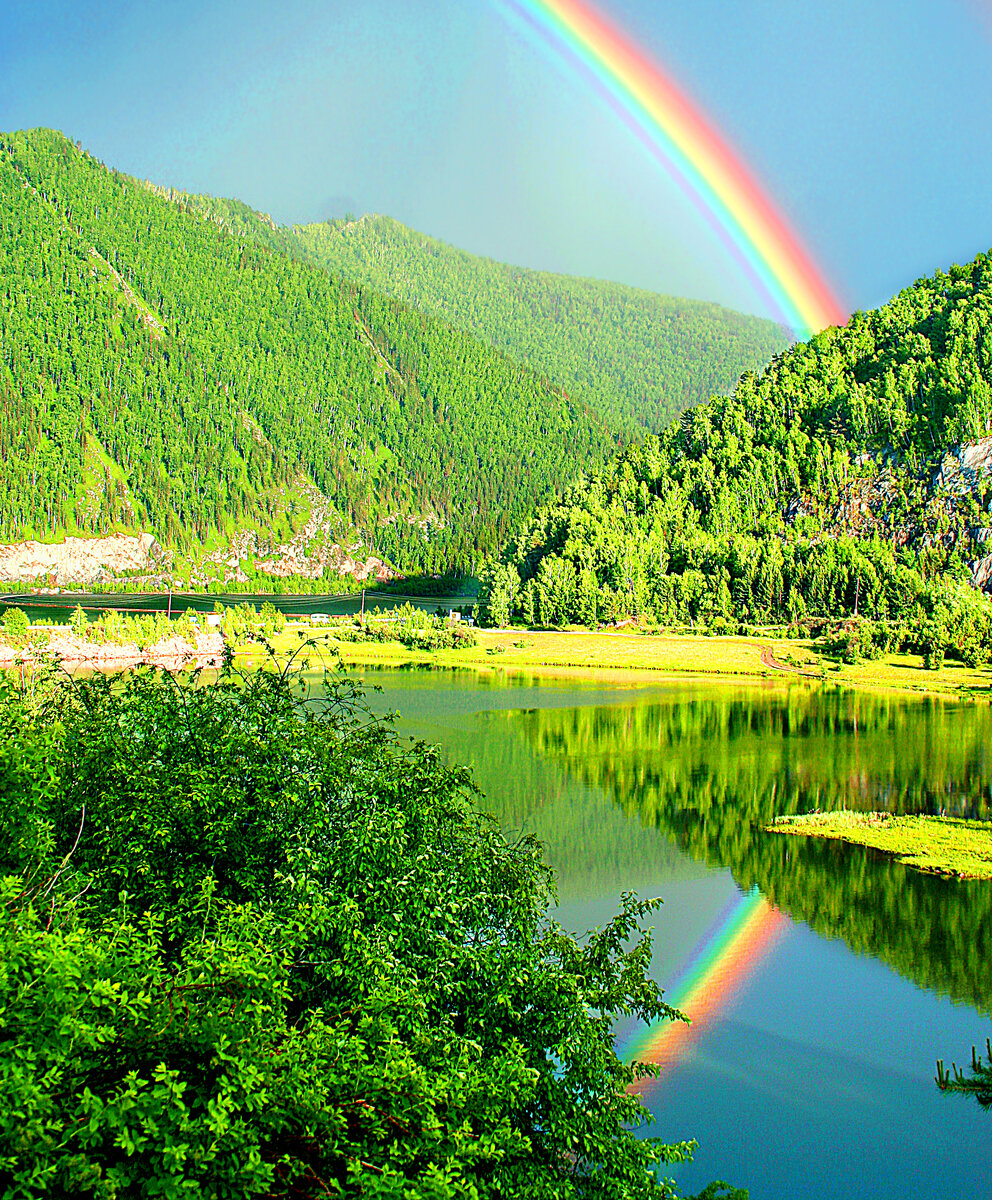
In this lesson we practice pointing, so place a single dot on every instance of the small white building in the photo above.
(320, 619)
(212, 620)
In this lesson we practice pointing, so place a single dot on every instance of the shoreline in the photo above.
(618, 656)
(648, 657)
(74, 653)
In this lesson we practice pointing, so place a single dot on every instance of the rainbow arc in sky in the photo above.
(680, 137)
(740, 939)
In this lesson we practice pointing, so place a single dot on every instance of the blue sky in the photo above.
(868, 123)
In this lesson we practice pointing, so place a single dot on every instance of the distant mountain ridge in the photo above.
(166, 371)
(638, 358)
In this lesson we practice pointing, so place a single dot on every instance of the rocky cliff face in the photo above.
(943, 506)
(78, 560)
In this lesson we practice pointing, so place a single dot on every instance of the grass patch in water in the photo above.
(941, 845)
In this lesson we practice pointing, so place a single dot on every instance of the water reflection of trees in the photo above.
(712, 771)
(976, 1082)
(592, 844)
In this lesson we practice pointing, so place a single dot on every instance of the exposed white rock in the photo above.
(78, 560)
(981, 573)
(964, 466)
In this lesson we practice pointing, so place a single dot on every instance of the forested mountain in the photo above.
(162, 368)
(851, 477)
(638, 358)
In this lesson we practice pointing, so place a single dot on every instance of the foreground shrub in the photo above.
(252, 947)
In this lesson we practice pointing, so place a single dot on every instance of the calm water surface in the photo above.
(827, 980)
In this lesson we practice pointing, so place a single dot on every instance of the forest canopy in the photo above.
(170, 363)
(636, 357)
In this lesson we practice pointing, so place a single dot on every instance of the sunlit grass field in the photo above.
(565, 651)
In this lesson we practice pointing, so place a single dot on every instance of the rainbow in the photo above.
(742, 935)
(677, 134)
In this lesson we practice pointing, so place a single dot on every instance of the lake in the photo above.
(825, 981)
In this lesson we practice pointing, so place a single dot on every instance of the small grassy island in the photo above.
(939, 845)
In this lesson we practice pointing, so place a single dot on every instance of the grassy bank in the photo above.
(941, 845)
(564, 651)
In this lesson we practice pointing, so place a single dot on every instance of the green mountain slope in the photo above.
(638, 358)
(161, 368)
(853, 476)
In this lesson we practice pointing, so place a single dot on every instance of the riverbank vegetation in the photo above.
(406, 626)
(408, 636)
(943, 845)
(253, 946)
(632, 656)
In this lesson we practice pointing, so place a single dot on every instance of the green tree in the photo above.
(79, 621)
(15, 625)
(586, 607)
(499, 584)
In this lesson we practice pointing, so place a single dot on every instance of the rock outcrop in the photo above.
(172, 653)
(78, 560)
(964, 467)
(981, 573)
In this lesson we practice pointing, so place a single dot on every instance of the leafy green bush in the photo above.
(856, 640)
(15, 626)
(251, 946)
(411, 627)
(242, 622)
